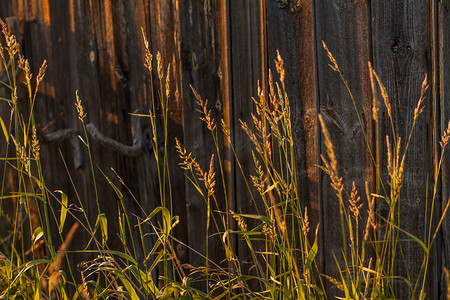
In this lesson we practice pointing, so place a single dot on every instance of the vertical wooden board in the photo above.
(291, 31)
(200, 52)
(163, 29)
(92, 73)
(443, 246)
(139, 173)
(70, 68)
(37, 47)
(8, 205)
(5, 9)
(247, 63)
(224, 75)
(343, 26)
(401, 35)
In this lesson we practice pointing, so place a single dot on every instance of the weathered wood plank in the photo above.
(247, 64)
(401, 35)
(291, 31)
(343, 26)
(442, 107)
(201, 53)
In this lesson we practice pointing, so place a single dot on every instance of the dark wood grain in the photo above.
(248, 66)
(201, 49)
(442, 99)
(290, 30)
(402, 57)
(343, 26)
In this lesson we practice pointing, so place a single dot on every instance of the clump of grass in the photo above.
(31, 260)
(279, 244)
(374, 277)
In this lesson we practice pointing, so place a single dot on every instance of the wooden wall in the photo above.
(222, 48)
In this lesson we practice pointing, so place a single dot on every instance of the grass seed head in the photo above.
(240, 221)
(41, 73)
(336, 182)
(187, 161)
(25, 66)
(419, 109)
(80, 109)
(210, 181)
(148, 55)
(258, 181)
(35, 147)
(11, 43)
(279, 63)
(226, 130)
(354, 202)
(206, 114)
(445, 137)
(168, 82)
(375, 107)
(384, 95)
(371, 221)
(334, 65)
(252, 137)
(305, 227)
(159, 62)
(2, 55)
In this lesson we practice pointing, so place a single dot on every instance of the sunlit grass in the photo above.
(278, 234)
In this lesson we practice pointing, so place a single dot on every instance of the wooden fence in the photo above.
(222, 48)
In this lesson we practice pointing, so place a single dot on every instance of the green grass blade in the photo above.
(64, 206)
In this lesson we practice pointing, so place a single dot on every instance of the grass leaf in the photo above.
(129, 287)
(64, 206)
(37, 234)
(312, 252)
(5, 131)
